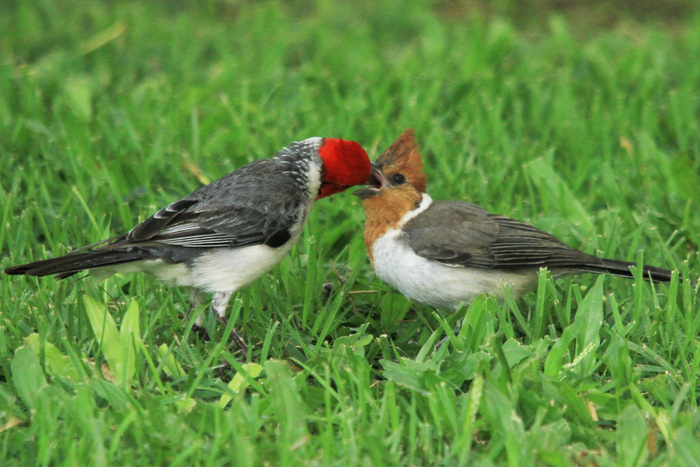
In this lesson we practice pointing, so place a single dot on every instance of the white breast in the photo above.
(435, 284)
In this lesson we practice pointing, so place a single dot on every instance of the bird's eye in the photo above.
(398, 179)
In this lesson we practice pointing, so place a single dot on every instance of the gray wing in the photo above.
(463, 234)
(256, 204)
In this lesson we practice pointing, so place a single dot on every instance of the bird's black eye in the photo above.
(398, 179)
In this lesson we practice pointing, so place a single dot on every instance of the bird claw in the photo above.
(201, 332)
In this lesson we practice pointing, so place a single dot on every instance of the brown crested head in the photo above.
(403, 157)
(397, 180)
(395, 186)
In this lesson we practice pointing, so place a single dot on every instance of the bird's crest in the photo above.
(403, 157)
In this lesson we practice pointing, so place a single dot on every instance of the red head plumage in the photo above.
(345, 164)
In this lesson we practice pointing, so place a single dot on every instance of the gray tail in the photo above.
(622, 269)
(70, 264)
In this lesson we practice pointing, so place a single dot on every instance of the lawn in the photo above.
(586, 128)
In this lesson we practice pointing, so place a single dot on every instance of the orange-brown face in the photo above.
(386, 201)
(403, 157)
(345, 164)
(396, 185)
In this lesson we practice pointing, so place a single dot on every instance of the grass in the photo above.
(110, 111)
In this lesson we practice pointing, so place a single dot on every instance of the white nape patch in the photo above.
(313, 183)
(232, 269)
(425, 203)
(435, 284)
(314, 142)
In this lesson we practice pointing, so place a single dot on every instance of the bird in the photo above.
(225, 235)
(447, 253)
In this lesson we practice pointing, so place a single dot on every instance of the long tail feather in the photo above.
(70, 264)
(622, 268)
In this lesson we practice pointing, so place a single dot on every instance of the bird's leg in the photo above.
(196, 298)
(218, 307)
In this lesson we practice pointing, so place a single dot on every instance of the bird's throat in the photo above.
(387, 212)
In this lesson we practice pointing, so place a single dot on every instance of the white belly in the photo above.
(214, 271)
(223, 270)
(435, 284)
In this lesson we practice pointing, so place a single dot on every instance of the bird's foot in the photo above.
(240, 343)
(201, 332)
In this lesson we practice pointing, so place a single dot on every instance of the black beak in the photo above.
(376, 181)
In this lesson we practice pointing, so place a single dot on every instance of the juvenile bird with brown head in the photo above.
(446, 253)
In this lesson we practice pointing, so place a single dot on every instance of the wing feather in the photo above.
(231, 212)
(464, 234)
